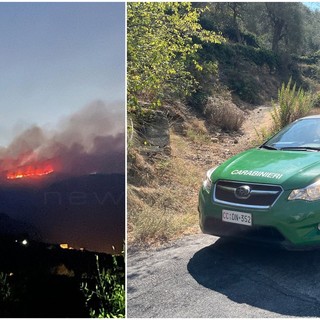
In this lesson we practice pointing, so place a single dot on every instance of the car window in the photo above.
(302, 133)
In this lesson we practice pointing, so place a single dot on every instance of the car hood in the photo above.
(290, 169)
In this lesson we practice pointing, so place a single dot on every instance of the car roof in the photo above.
(316, 116)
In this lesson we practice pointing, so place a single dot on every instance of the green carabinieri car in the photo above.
(270, 193)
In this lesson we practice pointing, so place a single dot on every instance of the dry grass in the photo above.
(196, 131)
(167, 207)
(140, 172)
(224, 114)
(164, 206)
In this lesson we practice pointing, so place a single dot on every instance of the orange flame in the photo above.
(30, 171)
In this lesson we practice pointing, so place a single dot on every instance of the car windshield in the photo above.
(303, 135)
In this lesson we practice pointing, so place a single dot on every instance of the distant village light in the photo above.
(24, 242)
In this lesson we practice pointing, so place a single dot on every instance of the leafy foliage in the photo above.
(162, 40)
(293, 104)
(178, 50)
(5, 289)
(105, 295)
(8, 297)
(279, 26)
(286, 24)
(236, 63)
(231, 54)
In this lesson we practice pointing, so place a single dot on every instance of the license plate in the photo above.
(237, 217)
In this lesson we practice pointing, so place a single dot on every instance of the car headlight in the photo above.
(207, 183)
(309, 193)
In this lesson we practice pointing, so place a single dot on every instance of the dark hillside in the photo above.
(85, 211)
(44, 280)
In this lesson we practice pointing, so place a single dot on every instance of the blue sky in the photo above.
(56, 58)
(312, 5)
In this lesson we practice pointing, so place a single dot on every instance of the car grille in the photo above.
(260, 196)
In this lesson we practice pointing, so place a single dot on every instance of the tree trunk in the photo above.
(236, 27)
(277, 35)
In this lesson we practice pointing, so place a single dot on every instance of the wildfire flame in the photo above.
(30, 171)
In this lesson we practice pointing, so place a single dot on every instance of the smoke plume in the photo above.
(91, 140)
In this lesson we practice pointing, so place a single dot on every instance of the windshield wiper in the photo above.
(301, 148)
(265, 146)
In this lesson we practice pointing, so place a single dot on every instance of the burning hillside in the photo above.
(30, 171)
(69, 183)
(88, 141)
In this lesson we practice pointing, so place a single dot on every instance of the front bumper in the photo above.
(290, 224)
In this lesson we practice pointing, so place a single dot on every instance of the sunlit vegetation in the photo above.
(163, 39)
(220, 60)
(293, 103)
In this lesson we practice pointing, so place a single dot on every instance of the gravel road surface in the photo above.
(204, 276)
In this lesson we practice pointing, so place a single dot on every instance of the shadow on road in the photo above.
(284, 282)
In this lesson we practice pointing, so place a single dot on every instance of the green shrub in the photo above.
(292, 104)
(8, 299)
(316, 101)
(230, 54)
(310, 59)
(245, 86)
(250, 39)
(198, 100)
(105, 295)
(5, 289)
